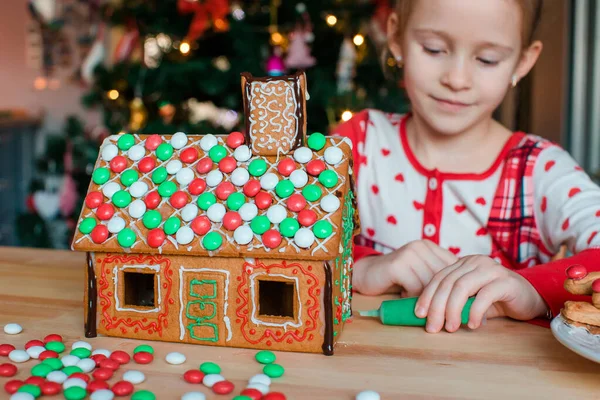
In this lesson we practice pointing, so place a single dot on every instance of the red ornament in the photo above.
(286, 166)
(235, 140)
(251, 188)
(152, 142)
(146, 164)
(274, 396)
(97, 385)
(189, 155)
(99, 234)
(97, 358)
(11, 387)
(576, 272)
(8, 370)
(118, 164)
(204, 166)
(263, 200)
(193, 376)
(48, 354)
(94, 199)
(315, 167)
(50, 388)
(227, 165)
(110, 364)
(232, 220)
(156, 238)
(122, 388)
(224, 189)
(33, 343)
(80, 375)
(307, 218)
(197, 187)
(34, 380)
(179, 199)
(152, 200)
(296, 202)
(120, 356)
(223, 387)
(103, 374)
(105, 212)
(5, 349)
(201, 225)
(271, 239)
(254, 394)
(53, 338)
(143, 357)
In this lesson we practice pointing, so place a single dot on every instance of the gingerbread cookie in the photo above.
(580, 313)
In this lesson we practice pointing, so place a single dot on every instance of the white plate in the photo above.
(576, 339)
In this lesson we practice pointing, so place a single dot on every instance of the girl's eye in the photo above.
(430, 50)
(487, 62)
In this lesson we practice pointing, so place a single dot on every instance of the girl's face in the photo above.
(459, 59)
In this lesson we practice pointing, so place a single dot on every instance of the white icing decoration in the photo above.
(242, 153)
(18, 356)
(269, 181)
(136, 152)
(240, 176)
(264, 389)
(304, 238)
(276, 213)
(185, 176)
(155, 268)
(12, 329)
(368, 395)
(248, 211)
(208, 142)
(137, 209)
(71, 382)
(214, 177)
(57, 376)
(109, 152)
(179, 140)
(189, 212)
(184, 235)
(87, 365)
(174, 166)
(35, 351)
(111, 188)
(81, 345)
(134, 377)
(175, 358)
(102, 394)
(303, 155)
(284, 324)
(193, 396)
(243, 235)
(299, 178)
(333, 155)
(260, 378)
(330, 203)
(138, 189)
(216, 212)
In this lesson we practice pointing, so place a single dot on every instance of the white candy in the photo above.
(87, 365)
(179, 140)
(240, 176)
(189, 212)
(102, 394)
(333, 155)
(104, 352)
(248, 211)
(264, 389)
(216, 212)
(174, 166)
(18, 356)
(368, 395)
(22, 396)
(175, 358)
(214, 177)
(184, 176)
(210, 379)
(193, 396)
(138, 189)
(111, 188)
(116, 224)
(243, 235)
(12, 329)
(303, 155)
(135, 377)
(208, 142)
(184, 235)
(299, 178)
(74, 382)
(276, 213)
(261, 378)
(242, 153)
(304, 238)
(35, 351)
(136, 153)
(57, 376)
(69, 360)
(269, 181)
(109, 152)
(330, 203)
(137, 209)
(81, 345)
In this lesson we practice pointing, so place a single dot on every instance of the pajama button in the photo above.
(429, 230)
(433, 184)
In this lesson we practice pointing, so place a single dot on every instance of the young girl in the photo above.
(452, 204)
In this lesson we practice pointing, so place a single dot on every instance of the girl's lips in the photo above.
(450, 105)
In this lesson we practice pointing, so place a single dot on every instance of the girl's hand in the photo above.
(411, 267)
(500, 292)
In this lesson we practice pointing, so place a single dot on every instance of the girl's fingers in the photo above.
(484, 300)
(424, 301)
(444, 255)
(410, 283)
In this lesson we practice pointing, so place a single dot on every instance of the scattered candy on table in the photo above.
(175, 358)
(12, 329)
(368, 395)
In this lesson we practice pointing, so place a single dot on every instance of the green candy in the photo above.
(143, 395)
(152, 219)
(316, 141)
(265, 357)
(75, 393)
(126, 142)
(166, 189)
(212, 241)
(129, 177)
(58, 347)
(260, 224)
(323, 229)
(143, 348)
(33, 390)
(87, 225)
(235, 201)
(257, 167)
(312, 193)
(172, 225)
(121, 199)
(41, 370)
(101, 176)
(205, 200)
(210, 368)
(71, 370)
(288, 227)
(81, 352)
(126, 238)
(242, 398)
(284, 189)
(217, 153)
(54, 363)
(328, 178)
(164, 151)
(273, 370)
(159, 175)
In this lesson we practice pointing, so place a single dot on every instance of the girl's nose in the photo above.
(457, 76)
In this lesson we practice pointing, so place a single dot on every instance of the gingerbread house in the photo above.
(242, 240)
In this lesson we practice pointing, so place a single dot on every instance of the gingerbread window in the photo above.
(139, 290)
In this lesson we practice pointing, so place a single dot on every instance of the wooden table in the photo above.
(43, 291)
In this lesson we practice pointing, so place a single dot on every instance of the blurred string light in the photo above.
(358, 39)
(347, 115)
(184, 48)
(113, 94)
(237, 12)
(331, 20)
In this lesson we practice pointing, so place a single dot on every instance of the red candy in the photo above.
(32, 343)
(152, 200)
(105, 212)
(5, 349)
(227, 164)
(179, 199)
(103, 374)
(97, 358)
(120, 356)
(122, 388)
(315, 167)
(235, 140)
(94, 199)
(286, 166)
(193, 376)
(307, 217)
(223, 387)
(156, 238)
(8, 370)
(296, 202)
(197, 186)
(48, 354)
(274, 396)
(50, 388)
(110, 364)
(118, 164)
(53, 338)
(201, 225)
(12, 386)
(204, 165)
(251, 188)
(80, 375)
(232, 220)
(577, 272)
(143, 357)
(99, 234)
(271, 239)
(152, 142)
(596, 286)
(146, 164)
(263, 200)
(35, 380)
(224, 190)
(189, 155)
(254, 394)
(97, 385)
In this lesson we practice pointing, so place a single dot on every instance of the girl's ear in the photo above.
(528, 59)
(394, 36)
